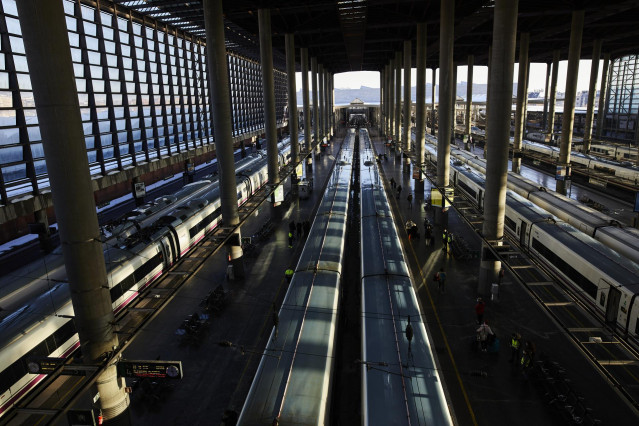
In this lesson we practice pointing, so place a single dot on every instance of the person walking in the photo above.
(392, 183)
(428, 233)
(291, 227)
(445, 240)
(289, 274)
(515, 347)
(483, 332)
(299, 230)
(409, 198)
(479, 310)
(290, 239)
(441, 280)
(399, 191)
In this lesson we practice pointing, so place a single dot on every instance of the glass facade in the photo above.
(142, 88)
(623, 99)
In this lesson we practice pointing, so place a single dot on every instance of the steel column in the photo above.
(590, 110)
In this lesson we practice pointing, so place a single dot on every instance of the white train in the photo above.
(42, 328)
(404, 386)
(616, 152)
(603, 278)
(603, 228)
(293, 382)
(612, 168)
(30, 281)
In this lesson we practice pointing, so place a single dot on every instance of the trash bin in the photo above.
(494, 292)
(230, 274)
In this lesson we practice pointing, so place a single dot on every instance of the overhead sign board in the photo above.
(150, 369)
(43, 365)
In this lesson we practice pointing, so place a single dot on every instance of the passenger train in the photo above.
(603, 228)
(31, 281)
(43, 328)
(400, 381)
(603, 278)
(294, 378)
(612, 168)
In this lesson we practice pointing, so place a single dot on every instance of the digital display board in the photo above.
(151, 369)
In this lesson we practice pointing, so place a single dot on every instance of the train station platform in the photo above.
(484, 387)
(220, 362)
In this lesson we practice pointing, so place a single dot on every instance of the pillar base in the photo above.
(236, 256)
(406, 164)
(419, 190)
(488, 272)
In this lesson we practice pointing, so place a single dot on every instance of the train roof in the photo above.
(576, 213)
(21, 320)
(527, 209)
(608, 261)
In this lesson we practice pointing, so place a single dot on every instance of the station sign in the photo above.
(139, 189)
(44, 365)
(150, 369)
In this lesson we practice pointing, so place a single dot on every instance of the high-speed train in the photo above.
(293, 382)
(42, 328)
(613, 168)
(400, 381)
(606, 280)
(603, 228)
(31, 280)
(616, 152)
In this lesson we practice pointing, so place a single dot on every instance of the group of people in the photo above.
(302, 229)
(523, 358)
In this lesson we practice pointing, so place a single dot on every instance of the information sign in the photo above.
(151, 369)
(43, 365)
(139, 189)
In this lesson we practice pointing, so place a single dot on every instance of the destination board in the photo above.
(150, 369)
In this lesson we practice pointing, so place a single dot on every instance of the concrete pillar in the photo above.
(590, 109)
(420, 102)
(327, 102)
(601, 111)
(268, 94)
(406, 137)
(490, 56)
(501, 86)
(380, 123)
(222, 118)
(46, 44)
(553, 93)
(469, 99)
(446, 29)
(453, 104)
(322, 102)
(306, 106)
(315, 102)
(568, 116)
(44, 234)
(432, 106)
(544, 118)
(332, 108)
(398, 98)
(522, 99)
(391, 99)
(289, 40)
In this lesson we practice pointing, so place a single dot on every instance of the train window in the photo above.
(602, 299)
(467, 188)
(64, 333)
(584, 283)
(637, 327)
(11, 374)
(40, 350)
(510, 223)
(116, 292)
(144, 270)
(193, 231)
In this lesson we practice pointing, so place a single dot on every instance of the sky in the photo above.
(536, 81)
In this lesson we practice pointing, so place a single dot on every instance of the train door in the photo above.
(522, 234)
(480, 199)
(612, 305)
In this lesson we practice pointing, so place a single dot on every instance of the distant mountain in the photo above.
(371, 94)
